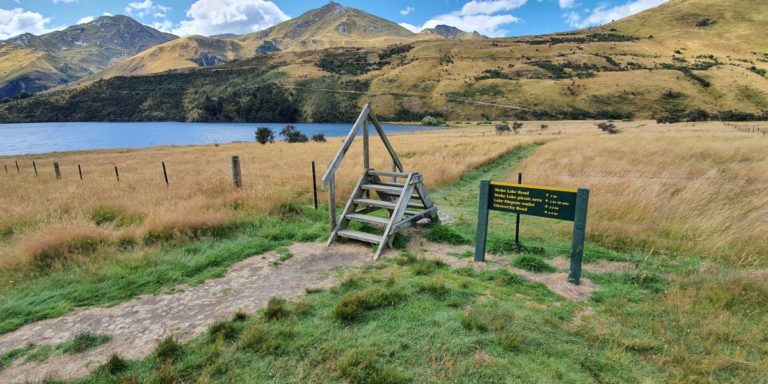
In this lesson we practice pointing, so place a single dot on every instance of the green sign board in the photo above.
(553, 203)
(549, 202)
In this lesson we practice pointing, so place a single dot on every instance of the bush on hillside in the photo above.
(319, 138)
(432, 121)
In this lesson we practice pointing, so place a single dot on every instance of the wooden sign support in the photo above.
(548, 202)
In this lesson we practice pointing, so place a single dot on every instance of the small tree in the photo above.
(293, 135)
(516, 126)
(503, 128)
(319, 138)
(544, 126)
(265, 135)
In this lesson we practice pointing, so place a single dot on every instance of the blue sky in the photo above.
(208, 17)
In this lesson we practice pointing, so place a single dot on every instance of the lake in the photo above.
(34, 138)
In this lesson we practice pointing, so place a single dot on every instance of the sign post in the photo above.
(549, 202)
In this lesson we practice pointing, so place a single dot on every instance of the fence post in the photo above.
(34, 166)
(117, 174)
(80, 171)
(57, 170)
(237, 177)
(517, 219)
(165, 175)
(314, 184)
(579, 229)
(17, 167)
(6, 168)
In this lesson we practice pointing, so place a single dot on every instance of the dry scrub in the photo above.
(49, 221)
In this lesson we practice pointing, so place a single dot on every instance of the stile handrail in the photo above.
(365, 116)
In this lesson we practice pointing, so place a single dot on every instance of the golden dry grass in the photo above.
(691, 189)
(696, 189)
(39, 213)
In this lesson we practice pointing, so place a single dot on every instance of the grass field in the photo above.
(683, 206)
(407, 319)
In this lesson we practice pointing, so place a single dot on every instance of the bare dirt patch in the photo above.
(139, 325)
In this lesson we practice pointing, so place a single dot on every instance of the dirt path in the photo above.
(137, 326)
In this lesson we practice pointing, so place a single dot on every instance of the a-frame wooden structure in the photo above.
(387, 205)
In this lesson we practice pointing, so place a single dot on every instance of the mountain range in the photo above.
(686, 59)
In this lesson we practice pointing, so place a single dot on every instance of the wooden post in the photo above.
(6, 168)
(17, 167)
(579, 229)
(517, 219)
(332, 203)
(34, 165)
(314, 184)
(80, 171)
(165, 175)
(366, 146)
(117, 174)
(57, 170)
(482, 220)
(237, 177)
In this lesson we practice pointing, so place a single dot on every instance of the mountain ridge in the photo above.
(618, 71)
(32, 63)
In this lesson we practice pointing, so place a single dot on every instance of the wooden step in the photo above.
(368, 219)
(383, 188)
(389, 174)
(375, 203)
(362, 236)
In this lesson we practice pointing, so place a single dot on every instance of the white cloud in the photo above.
(480, 7)
(63, 1)
(147, 7)
(567, 3)
(603, 14)
(214, 17)
(484, 16)
(17, 21)
(407, 10)
(410, 27)
(86, 19)
(107, 14)
(163, 25)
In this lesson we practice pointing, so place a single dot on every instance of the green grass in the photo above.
(533, 263)
(450, 326)
(113, 279)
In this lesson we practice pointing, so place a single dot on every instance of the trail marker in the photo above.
(549, 202)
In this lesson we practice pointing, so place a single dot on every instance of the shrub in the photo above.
(222, 329)
(293, 135)
(503, 128)
(534, 264)
(265, 135)
(430, 121)
(61, 252)
(115, 364)
(319, 138)
(276, 309)
(168, 350)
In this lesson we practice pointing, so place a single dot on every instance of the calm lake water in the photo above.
(23, 139)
